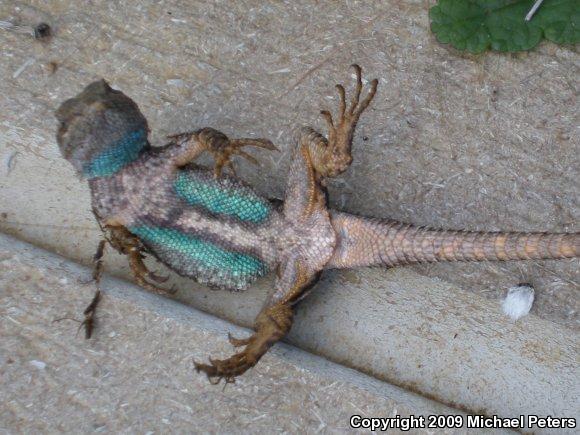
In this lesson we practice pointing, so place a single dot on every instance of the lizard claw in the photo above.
(226, 369)
(157, 278)
(238, 342)
(221, 147)
(238, 363)
(89, 321)
(89, 313)
(233, 147)
(356, 108)
(340, 130)
(271, 325)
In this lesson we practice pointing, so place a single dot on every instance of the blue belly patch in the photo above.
(204, 260)
(222, 197)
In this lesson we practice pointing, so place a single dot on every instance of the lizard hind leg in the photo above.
(272, 324)
(336, 156)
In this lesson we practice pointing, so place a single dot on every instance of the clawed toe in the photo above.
(157, 278)
(226, 369)
(140, 272)
(350, 117)
(223, 155)
(245, 155)
(89, 313)
(238, 363)
(260, 143)
(341, 129)
(358, 88)
(356, 106)
(154, 288)
(221, 147)
(239, 342)
(89, 321)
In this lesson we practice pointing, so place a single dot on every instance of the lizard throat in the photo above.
(116, 156)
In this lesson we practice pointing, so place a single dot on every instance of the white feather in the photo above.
(518, 301)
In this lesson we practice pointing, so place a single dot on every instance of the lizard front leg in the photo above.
(128, 244)
(271, 325)
(89, 312)
(125, 243)
(186, 147)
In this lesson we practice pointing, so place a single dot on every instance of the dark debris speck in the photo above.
(42, 31)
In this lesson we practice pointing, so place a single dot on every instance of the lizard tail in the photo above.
(372, 242)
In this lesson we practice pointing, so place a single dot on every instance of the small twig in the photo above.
(533, 10)
(22, 67)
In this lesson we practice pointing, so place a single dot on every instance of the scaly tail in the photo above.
(372, 242)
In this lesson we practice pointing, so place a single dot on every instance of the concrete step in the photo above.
(136, 375)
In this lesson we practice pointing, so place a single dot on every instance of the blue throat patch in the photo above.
(221, 197)
(116, 156)
(209, 257)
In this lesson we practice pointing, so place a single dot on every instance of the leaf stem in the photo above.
(533, 10)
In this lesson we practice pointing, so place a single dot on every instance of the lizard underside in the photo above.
(209, 226)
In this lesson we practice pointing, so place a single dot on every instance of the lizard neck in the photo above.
(116, 156)
(371, 242)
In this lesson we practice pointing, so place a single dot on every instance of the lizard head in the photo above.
(100, 130)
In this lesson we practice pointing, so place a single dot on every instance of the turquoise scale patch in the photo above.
(116, 156)
(222, 197)
(234, 268)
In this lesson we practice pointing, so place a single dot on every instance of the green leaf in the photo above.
(477, 25)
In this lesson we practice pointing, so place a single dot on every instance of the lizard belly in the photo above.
(217, 231)
(205, 257)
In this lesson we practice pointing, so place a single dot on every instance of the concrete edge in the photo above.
(117, 288)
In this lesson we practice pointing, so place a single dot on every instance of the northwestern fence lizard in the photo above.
(212, 227)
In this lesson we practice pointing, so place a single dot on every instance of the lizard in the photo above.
(208, 225)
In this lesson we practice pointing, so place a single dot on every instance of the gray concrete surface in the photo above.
(137, 375)
(484, 143)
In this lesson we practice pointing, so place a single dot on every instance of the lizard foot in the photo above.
(223, 148)
(89, 312)
(128, 244)
(340, 135)
(140, 272)
(234, 148)
(271, 325)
